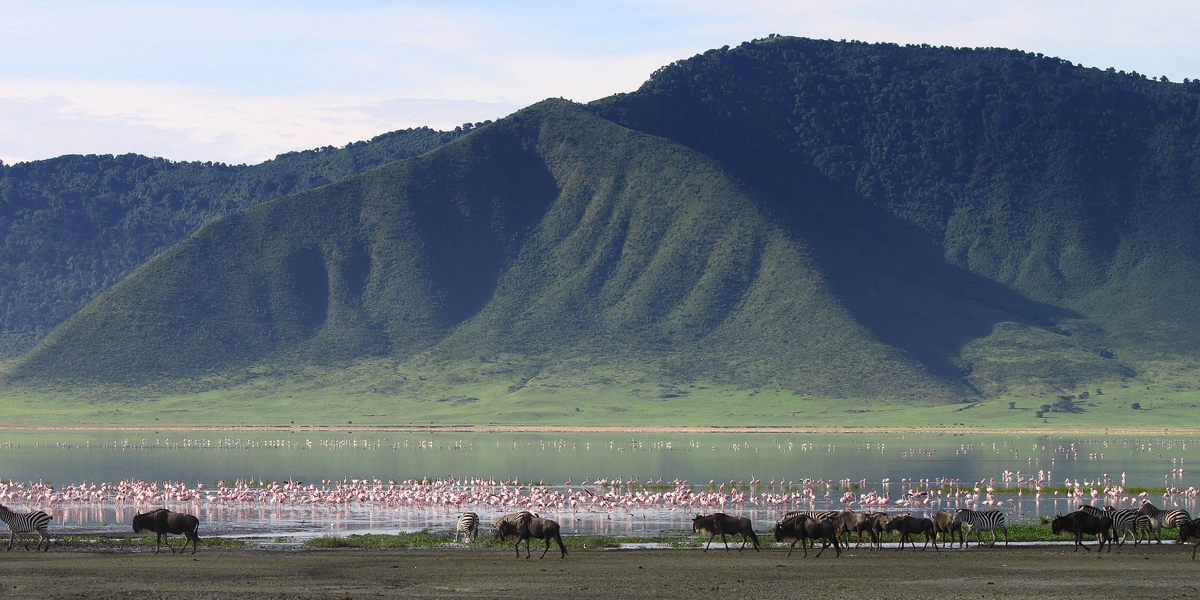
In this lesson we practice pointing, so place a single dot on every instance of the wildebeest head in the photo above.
(144, 522)
(790, 529)
(1060, 524)
(507, 531)
(704, 524)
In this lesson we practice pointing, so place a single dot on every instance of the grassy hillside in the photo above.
(925, 176)
(553, 236)
(791, 230)
(72, 226)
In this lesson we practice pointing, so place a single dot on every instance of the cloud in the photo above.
(240, 81)
(192, 123)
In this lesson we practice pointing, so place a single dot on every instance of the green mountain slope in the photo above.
(925, 177)
(818, 220)
(553, 235)
(74, 225)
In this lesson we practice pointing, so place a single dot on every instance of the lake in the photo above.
(597, 482)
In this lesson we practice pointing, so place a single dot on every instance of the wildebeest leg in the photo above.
(517, 547)
(527, 540)
(710, 540)
(725, 541)
(546, 550)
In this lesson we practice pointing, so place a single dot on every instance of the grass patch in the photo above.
(108, 540)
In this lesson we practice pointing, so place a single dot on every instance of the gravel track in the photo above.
(1025, 572)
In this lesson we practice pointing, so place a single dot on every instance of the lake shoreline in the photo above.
(692, 429)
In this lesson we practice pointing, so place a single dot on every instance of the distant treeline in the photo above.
(72, 226)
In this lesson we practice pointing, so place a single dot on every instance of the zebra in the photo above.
(819, 515)
(30, 523)
(982, 520)
(1163, 519)
(468, 524)
(1124, 521)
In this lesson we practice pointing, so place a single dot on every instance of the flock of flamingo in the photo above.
(1011, 491)
(598, 496)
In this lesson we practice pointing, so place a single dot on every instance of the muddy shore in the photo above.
(1015, 572)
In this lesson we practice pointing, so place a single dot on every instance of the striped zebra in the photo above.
(819, 515)
(468, 524)
(1163, 519)
(1124, 520)
(982, 520)
(30, 523)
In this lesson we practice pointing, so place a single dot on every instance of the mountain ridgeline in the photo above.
(73, 226)
(832, 219)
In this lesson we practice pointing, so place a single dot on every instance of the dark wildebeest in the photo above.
(526, 527)
(906, 525)
(722, 524)
(848, 522)
(1190, 532)
(162, 521)
(880, 521)
(801, 528)
(944, 522)
(1080, 523)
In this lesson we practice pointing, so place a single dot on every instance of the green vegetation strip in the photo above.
(108, 540)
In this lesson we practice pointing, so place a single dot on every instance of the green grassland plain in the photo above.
(1165, 396)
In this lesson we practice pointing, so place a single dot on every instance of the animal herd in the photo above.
(830, 528)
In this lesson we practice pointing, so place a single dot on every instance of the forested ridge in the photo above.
(949, 169)
(829, 219)
(74, 225)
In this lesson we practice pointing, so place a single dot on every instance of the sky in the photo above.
(242, 81)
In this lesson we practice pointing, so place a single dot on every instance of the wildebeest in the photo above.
(944, 522)
(722, 524)
(880, 521)
(802, 528)
(906, 525)
(525, 527)
(162, 522)
(848, 522)
(1190, 532)
(1080, 523)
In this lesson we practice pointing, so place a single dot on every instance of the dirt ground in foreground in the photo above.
(1165, 571)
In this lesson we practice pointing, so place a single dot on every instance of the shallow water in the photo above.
(827, 464)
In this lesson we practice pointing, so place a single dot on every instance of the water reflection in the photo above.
(757, 475)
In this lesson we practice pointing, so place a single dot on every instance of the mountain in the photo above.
(830, 219)
(73, 226)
